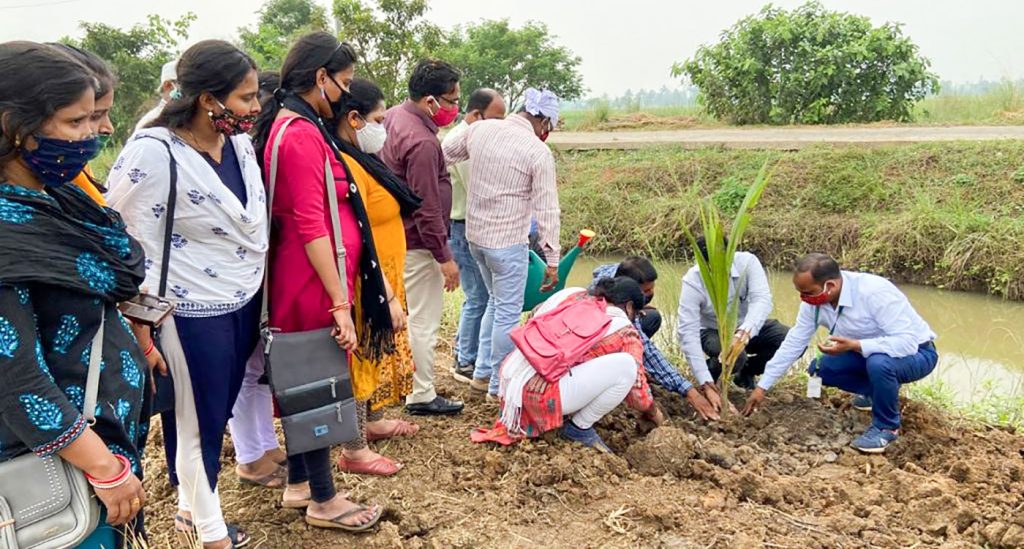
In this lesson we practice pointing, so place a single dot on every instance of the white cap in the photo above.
(169, 72)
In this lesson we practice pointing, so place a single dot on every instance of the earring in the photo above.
(209, 113)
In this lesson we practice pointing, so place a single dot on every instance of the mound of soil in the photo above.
(783, 478)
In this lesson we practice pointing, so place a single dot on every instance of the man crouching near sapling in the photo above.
(876, 343)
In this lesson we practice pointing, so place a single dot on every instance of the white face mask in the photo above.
(371, 137)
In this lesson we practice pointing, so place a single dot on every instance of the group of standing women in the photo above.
(185, 215)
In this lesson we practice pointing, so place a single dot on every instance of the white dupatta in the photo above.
(219, 245)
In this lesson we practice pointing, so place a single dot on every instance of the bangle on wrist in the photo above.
(343, 306)
(149, 350)
(116, 480)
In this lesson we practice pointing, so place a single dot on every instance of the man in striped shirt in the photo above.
(512, 177)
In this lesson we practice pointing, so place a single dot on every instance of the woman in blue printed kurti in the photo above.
(65, 262)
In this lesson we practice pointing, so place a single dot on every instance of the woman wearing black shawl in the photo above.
(65, 262)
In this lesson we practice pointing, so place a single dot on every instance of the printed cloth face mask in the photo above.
(57, 161)
(231, 124)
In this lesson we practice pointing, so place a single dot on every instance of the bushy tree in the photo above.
(492, 54)
(136, 56)
(280, 23)
(389, 40)
(809, 66)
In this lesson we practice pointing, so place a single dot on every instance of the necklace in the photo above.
(195, 144)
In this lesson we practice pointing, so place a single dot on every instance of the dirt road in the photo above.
(781, 138)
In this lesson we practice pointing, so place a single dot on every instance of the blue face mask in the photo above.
(57, 161)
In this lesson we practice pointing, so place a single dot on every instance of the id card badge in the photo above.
(814, 387)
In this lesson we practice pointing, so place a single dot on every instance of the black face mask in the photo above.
(648, 299)
(338, 107)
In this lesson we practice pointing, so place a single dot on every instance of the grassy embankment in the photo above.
(1004, 105)
(947, 215)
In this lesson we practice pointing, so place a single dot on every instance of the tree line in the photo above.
(390, 36)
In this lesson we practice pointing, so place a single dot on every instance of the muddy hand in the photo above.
(754, 401)
(701, 405)
(710, 391)
(550, 279)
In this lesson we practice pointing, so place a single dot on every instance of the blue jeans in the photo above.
(504, 274)
(472, 282)
(878, 376)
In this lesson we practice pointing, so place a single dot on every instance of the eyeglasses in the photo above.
(454, 103)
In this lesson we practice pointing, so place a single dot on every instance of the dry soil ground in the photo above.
(784, 478)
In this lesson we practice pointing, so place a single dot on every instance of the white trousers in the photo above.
(194, 493)
(594, 388)
(252, 421)
(424, 290)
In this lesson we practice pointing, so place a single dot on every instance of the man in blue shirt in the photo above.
(658, 368)
(876, 342)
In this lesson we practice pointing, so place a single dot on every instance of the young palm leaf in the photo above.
(716, 271)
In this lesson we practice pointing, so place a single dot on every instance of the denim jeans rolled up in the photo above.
(504, 274)
(473, 308)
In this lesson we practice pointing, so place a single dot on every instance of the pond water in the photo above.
(980, 337)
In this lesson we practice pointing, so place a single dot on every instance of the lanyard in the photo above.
(817, 313)
(839, 314)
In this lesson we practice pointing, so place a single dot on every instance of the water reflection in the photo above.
(981, 338)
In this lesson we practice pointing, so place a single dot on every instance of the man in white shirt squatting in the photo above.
(876, 342)
(697, 333)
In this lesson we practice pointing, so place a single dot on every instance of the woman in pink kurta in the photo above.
(302, 297)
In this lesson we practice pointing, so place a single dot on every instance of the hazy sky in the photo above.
(624, 44)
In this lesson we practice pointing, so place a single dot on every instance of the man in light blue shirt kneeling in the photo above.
(876, 343)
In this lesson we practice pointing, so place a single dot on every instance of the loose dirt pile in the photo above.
(784, 478)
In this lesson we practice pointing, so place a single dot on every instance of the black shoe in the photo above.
(463, 372)
(745, 382)
(440, 406)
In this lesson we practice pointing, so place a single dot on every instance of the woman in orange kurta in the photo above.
(360, 136)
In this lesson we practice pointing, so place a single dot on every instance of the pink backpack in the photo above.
(557, 340)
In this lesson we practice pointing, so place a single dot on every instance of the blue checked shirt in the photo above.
(658, 368)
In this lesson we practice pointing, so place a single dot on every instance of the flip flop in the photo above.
(381, 466)
(335, 523)
(401, 429)
(239, 538)
(304, 503)
(280, 474)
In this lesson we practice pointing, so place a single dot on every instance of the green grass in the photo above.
(992, 407)
(949, 215)
(601, 117)
(1004, 105)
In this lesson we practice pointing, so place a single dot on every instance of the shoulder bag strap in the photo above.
(92, 379)
(339, 244)
(172, 199)
(271, 185)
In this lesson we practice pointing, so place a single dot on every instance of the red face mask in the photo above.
(544, 136)
(819, 299)
(445, 115)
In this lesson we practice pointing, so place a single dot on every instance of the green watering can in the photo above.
(535, 273)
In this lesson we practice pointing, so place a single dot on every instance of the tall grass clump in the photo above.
(716, 271)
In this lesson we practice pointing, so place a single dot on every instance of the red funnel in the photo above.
(585, 236)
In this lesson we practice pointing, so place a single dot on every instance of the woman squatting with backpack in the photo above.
(583, 373)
